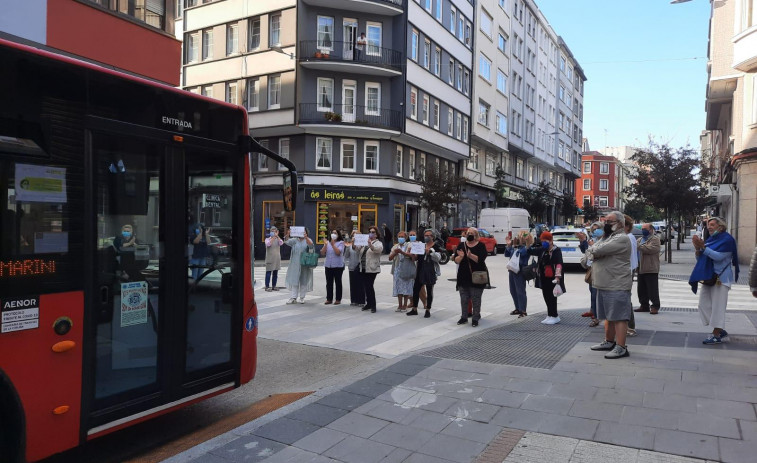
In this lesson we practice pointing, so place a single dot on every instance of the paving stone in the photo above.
(321, 440)
(650, 417)
(285, 430)
(466, 365)
(638, 437)
(572, 391)
(404, 437)
(676, 364)
(389, 412)
(516, 418)
(737, 451)
(595, 452)
(209, 458)
(317, 414)
(641, 384)
(421, 458)
(748, 430)
(535, 447)
(358, 425)
(443, 374)
(526, 385)
(503, 398)
(472, 430)
(354, 449)
(739, 394)
(673, 402)
(250, 448)
(659, 373)
(344, 400)
(709, 425)
(452, 448)
(397, 456)
(584, 379)
(580, 428)
(406, 368)
(690, 389)
(556, 405)
(296, 455)
(620, 396)
(429, 421)
(596, 410)
(622, 370)
(726, 408)
(475, 411)
(420, 382)
(389, 378)
(466, 391)
(422, 360)
(687, 444)
(646, 456)
(367, 388)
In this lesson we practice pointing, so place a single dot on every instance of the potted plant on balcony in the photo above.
(333, 117)
(318, 54)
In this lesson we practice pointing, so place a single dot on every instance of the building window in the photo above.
(193, 47)
(502, 43)
(501, 124)
(274, 30)
(427, 5)
(486, 23)
(411, 164)
(323, 153)
(465, 129)
(372, 99)
(348, 155)
(603, 201)
(371, 156)
(231, 92)
(491, 165)
(274, 92)
(207, 44)
(439, 10)
(484, 67)
(460, 77)
(207, 91)
(427, 55)
(587, 184)
(519, 168)
(283, 151)
(325, 94)
(483, 113)
(586, 200)
(603, 184)
(452, 19)
(413, 104)
(436, 115)
(587, 167)
(459, 122)
(604, 167)
(254, 33)
(398, 162)
(468, 29)
(450, 122)
(424, 112)
(414, 46)
(466, 82)
(438, 62)
(325, 34)
(473, 159)
(262, 158)
(422, 166)
(253, 94)
(232, 39)
(373, 39)
(501, 82)
(461, 27)
(451, 74)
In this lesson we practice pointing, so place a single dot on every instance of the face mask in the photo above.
(598, 233)
(608, 229)
(197, 231)
(471, 237)
(413, 237)
(644, 232)
(401, 240)
(427, 239)
(372, 235)
(334, 236)
(545, 244)
(126, 234)
(715, 233)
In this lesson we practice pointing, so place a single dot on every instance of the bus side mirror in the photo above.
(289, 190)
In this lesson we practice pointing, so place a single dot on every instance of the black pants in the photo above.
(417, 294)
(546, 290)
(357, 291)
(370, 292)
(648, 290)
(334, 275)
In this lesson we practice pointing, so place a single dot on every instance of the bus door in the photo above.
(165, 300)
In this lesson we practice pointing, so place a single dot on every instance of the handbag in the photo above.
(514, 264)
(406, 269)
(714, 280)
(309, 259)
(479, 277)
(587, 277)
(530, 270)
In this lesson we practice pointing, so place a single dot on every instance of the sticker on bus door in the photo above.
(19, 313)
(133, 303)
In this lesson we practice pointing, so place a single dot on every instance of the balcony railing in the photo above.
(337, 50)
(393, 2)
(347, 115)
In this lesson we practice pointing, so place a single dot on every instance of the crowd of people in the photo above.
(612, 255)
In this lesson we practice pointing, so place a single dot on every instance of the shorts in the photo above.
(614, 306)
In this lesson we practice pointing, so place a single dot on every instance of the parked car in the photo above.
(219, 250)
(567, 241)
(485, 237)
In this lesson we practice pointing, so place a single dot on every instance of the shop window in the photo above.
(275, 215)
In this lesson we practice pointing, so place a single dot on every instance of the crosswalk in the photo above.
(676, 293)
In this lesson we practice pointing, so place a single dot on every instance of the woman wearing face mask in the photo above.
(334, 266)
(299, 279)
(427, 269)
(518, 248)
(550, 274)
(596, 234)
(400, 256)
(272, 258)
(470, 256)
(370, 266)
(352, 259)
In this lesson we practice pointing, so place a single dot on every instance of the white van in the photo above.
(503, 222)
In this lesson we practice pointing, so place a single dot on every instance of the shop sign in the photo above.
(210, 200)
(346, 196)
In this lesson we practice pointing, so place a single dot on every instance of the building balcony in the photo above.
(382, 7)
(350, 121)
(745, 50)
(341, 56)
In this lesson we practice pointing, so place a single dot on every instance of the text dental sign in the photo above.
(346, 196)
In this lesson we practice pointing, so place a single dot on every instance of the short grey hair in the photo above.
(721, 223)
(619, 217)
(597, 224)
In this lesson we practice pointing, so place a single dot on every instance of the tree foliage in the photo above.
(568, 207)
(641, 211)
(499, 186)
(591, 213)
(535, 201)
(439, 190)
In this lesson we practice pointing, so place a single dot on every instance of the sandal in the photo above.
(523, 314)
(400, 309)
(594, 322)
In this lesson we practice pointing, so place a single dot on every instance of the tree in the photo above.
(499, 186)
(568, 207)
(667, 179)
(591, 213)
(439, 191)
(641, 211)
(535, 201)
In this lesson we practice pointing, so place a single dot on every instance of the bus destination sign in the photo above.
(19, 313)
(26, 267)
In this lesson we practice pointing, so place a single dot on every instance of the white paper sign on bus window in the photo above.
(40, 184)
(133, 303)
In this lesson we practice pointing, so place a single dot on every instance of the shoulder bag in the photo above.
(406, 269)
(479, 277)
(309, 259)
(529, 271)
(714, 280)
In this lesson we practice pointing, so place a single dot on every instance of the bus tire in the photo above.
(12, 438)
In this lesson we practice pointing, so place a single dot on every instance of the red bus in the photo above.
(125, 258)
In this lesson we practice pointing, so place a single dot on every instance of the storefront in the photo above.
(346, 210)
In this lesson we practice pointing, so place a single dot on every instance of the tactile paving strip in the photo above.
(525, 342)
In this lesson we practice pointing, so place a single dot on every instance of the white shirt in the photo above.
(634, 252)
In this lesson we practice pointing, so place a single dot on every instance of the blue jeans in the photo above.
(518, 291)
(593, 296)
(197, 271)
(268, 274)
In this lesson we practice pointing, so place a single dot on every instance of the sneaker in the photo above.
(474, 323)
(654, 311)
(302, 300)
(399, 309)
(428, 314)
(462, 321)
(587, 314)
(546, 321)
(605, 345)
(292, 301)
(631, 332)
(555, 320)
(551, 320)
(617, 352)
(412, 312)
(275, 288)
(724, 335)
(712, 339)
(268, 290)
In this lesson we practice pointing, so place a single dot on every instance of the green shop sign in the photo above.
(346, 196)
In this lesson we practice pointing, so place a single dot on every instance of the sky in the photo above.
(638, 58)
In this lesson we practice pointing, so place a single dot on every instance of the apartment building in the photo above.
(729, 141)
(134, 37)
(522, 122)
(363, 96)
(600, 182)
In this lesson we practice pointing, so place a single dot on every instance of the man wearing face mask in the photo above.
(649, 270)
(370, 266)
(596, 234)
(611, 276)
